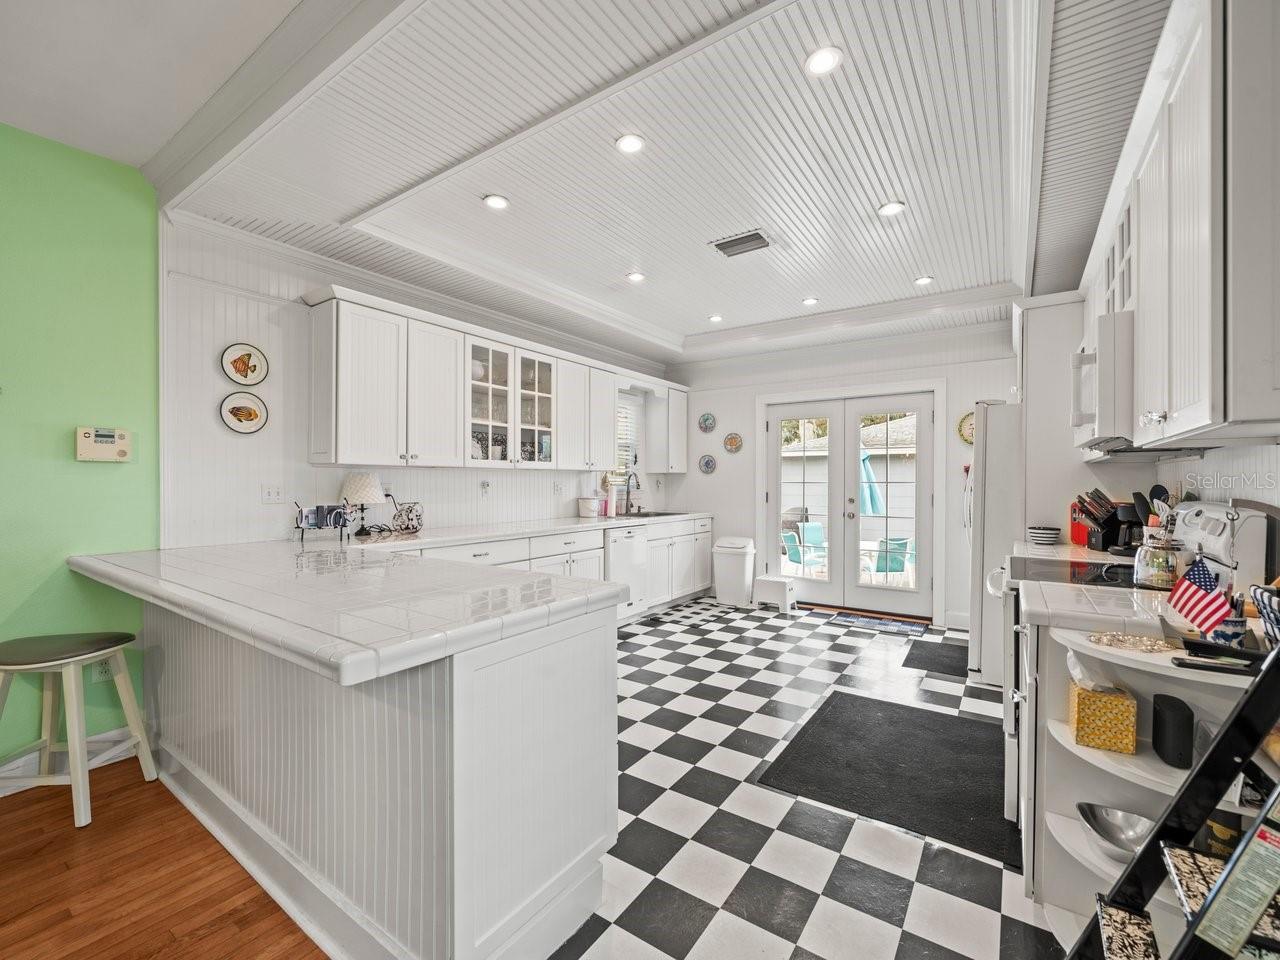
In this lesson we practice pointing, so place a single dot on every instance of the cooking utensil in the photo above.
(1116, 834)
(1142, 505)
(1159, 492)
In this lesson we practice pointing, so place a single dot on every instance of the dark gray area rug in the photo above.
(933, 774)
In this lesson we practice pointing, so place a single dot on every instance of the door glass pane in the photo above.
(887, 500)
(528, 373)
(479, 363)
(500, 361)
(803, 523)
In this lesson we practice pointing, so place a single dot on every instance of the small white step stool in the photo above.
(779, 591)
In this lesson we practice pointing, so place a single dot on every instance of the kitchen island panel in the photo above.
(348, 786)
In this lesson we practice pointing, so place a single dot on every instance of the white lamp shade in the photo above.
(362, 488)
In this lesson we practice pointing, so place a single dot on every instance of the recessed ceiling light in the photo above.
(496, 201)
(715, 318)
(635, 276)
(629, 143)
(892, 208)
(809, 301)
(924, 281)
(823, 61)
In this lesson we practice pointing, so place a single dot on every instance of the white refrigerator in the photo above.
(995, 508)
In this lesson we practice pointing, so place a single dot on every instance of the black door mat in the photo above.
(938, 657)
(933, 774)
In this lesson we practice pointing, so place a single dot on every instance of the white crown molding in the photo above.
(811, 327)
(610, 89)
(1049, 299)
(423, 298)
(315, 42)
(450, 251)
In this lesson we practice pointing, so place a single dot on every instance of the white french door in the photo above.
(851, 501)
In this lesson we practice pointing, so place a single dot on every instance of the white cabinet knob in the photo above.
(413, 456)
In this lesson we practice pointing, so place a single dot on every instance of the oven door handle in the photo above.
(997, 592)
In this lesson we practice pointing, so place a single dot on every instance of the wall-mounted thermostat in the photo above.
(104, 443)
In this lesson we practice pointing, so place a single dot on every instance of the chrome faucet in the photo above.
(630, 476)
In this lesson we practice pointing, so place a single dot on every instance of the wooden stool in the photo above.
(67, 654)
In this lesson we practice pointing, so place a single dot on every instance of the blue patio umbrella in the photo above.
(870, 500)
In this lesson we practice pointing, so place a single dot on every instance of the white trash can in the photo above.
(735, 561)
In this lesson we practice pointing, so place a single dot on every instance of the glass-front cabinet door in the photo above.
(490, 369)
(536, 410)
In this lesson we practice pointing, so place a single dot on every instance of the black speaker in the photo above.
(1172, 730)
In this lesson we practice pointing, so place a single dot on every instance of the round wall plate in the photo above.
(243, 412)
(707, 422)
(733, 442)
(966, 428)
(707, 464)
(245, 364)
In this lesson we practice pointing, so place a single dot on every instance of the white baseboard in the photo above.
(298, 893)
(29, 765)
(544, 933)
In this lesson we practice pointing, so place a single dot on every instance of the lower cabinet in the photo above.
(679, 566)
(589, 565)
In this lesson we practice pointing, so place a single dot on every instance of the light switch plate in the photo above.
(271, 493)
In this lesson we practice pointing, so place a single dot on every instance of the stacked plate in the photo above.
(1044, 536)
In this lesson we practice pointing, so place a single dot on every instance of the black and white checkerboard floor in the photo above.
(711, 866)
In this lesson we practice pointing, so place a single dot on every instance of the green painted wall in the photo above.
(78, 314)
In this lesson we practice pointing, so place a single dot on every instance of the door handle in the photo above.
(851, 515)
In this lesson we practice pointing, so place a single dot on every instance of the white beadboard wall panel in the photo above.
(976, 365)
(1100, 54)
(218, 291)
(363, 758)
(1250, 473)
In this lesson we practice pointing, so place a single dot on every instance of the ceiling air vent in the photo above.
(742, 243)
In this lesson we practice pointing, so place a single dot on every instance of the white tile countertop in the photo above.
(1066, 551)
(350, 615)
(1084, 607)
(515, 530)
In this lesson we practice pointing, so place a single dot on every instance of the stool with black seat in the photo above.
(66, 655)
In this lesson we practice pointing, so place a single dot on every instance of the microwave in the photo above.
(1102, 383)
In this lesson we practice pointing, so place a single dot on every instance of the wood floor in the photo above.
(143, 880)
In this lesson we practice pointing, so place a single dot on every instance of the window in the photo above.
(627, 436)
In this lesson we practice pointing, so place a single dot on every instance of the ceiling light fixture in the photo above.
(629, 143)
(496, 201)
(809, 301)
(715, 318)
(924, 281)
(823, 61)
(635, 276)
(891, 208)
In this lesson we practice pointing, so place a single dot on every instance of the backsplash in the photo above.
(1250, 473)
(218, 290)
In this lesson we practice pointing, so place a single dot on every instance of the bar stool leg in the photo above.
(77, 751)
(132, 715)
(48, 721)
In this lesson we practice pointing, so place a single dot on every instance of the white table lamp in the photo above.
(359, 489)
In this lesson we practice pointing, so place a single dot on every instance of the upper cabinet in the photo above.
(1204, 205)
(586, 417)
(667, 432)
(393, 385)
(380, 385)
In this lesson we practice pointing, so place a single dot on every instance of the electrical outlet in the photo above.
(558, 489)
(272, 493)
(100, 672)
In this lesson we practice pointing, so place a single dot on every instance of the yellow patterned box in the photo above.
(1108, 721)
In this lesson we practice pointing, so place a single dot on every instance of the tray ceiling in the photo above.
(469, 97)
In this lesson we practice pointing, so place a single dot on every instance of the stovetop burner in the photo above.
(1085, 573)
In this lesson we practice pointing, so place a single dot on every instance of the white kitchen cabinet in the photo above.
(490, 370)
(434, 423)
(573, 416)
(560, 566)
(659, 568)
(602, 452)
(702, 561)
(535, 410)
(1205, 195)
(667, 432)
(683, 578)
(385, 390)
(586, 417)
(587, 564)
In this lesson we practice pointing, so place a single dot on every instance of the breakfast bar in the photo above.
(414, 757)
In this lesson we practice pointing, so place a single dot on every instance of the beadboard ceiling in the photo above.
(1100, 54)
(467, 97)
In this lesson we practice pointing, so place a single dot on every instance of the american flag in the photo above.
(1196, 596)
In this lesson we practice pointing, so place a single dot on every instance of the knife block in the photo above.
(1107, 534)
